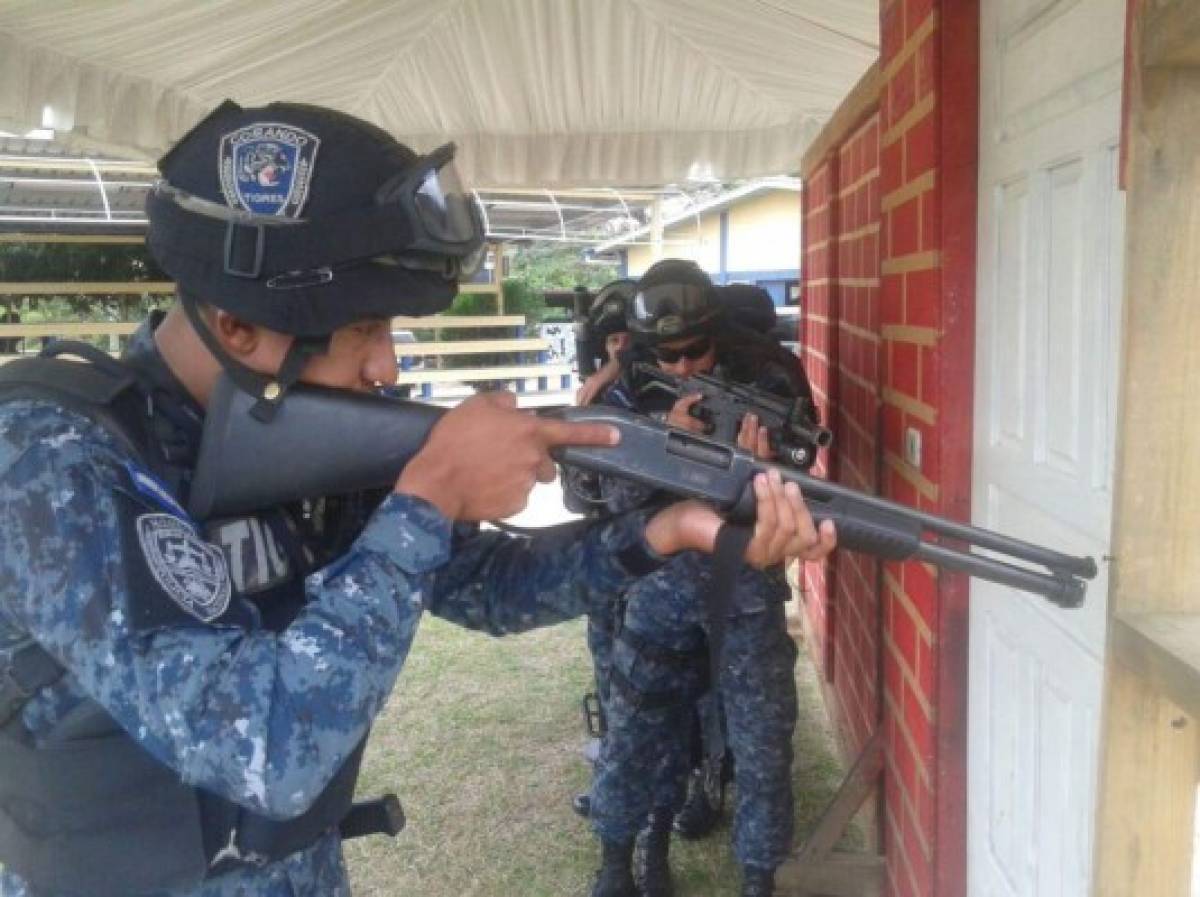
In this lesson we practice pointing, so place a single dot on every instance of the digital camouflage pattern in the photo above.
(644, 750)
(660, 668)
(93, 567)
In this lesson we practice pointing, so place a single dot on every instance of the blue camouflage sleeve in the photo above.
(501, 583)
(261, 718)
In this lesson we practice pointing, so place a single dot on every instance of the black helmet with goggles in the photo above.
(610, 308)
(675, 299)
(303, 219)
(605, 316)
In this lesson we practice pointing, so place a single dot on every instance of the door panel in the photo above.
(1049, 280)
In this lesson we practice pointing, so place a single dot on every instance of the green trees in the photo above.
(78, 262)
(535, 268)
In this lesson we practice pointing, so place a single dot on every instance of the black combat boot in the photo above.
(702, 810)
(615, 878)
(651, 868)
(757, 881)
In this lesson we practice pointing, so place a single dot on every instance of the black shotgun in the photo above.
(330, 442)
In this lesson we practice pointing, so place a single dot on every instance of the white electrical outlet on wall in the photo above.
(912, 446)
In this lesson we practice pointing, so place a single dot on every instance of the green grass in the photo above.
(481, 741)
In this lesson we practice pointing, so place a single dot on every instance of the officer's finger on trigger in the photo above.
(561, 432)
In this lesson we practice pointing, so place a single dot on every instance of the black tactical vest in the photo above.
(94, 814)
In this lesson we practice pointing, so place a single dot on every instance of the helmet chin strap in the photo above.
(267, 391)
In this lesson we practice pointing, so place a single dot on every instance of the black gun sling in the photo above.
(74, 807)
(732, 539)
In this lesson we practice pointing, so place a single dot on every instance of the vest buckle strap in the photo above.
(29, 669)
(381, 816)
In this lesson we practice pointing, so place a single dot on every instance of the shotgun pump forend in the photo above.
(327, 442)
(795, 434)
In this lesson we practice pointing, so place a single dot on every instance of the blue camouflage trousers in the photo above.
(600, 638)
(659, 666)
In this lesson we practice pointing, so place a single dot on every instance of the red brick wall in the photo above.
(893, 642)
(856, 576)
(841, 264)
(910, 315)
(818, 275)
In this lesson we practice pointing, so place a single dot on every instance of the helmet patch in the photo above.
(266, 168)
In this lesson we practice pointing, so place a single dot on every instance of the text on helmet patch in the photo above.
(266, 168)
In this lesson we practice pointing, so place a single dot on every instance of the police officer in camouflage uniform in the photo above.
(600, 338)
(659, 665)
(183, 703)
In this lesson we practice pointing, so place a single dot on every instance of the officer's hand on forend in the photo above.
(482, 459)
(681, 418)
(755, 439)
(783, 527)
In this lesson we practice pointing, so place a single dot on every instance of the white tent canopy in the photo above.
(535, 92)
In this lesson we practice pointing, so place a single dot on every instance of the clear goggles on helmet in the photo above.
(445, 217)
(670, 308)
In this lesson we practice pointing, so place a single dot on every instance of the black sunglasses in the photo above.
(692, 351)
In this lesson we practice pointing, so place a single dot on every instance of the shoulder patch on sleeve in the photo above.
(190, 571)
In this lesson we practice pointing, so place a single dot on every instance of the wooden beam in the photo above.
(49, 163)
(473, 347)
(73, 328)
(86, 288)
(447, 322)
(465, 375)
(97, 239)
(102, 288)
(1171, 34)
(113, 328)
(477, 288)
(817, 868)
(1164, 650)
(857, 104)
(437, 322)
(841, 875)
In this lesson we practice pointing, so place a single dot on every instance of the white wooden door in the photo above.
(1048, 319)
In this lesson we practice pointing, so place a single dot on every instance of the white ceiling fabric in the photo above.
(535, 92)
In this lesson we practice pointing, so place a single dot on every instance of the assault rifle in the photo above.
(329, 442)
(795, 434)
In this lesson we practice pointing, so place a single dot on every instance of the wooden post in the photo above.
(1150, 754)
(656, 229)
(498, 275)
